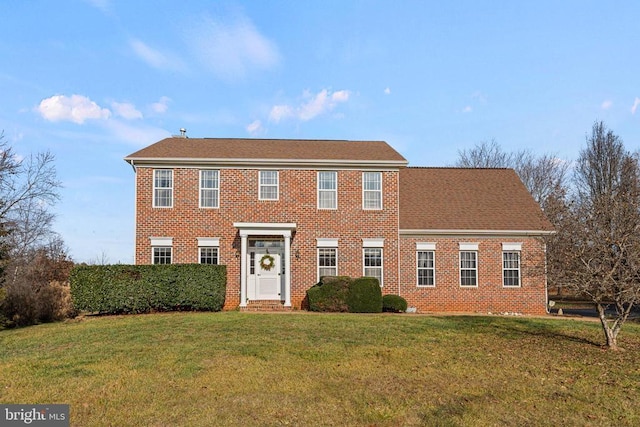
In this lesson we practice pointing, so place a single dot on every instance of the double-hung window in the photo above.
(268, 185)
(468, 264)
(161, 250)
(162, 188)
(209, 188)
(372, 190)
(426, 264)
(373, 259)
(327, 257)
(511, 264)
(327, 190)
(208, 248)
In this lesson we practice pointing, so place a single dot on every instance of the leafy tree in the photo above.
(596, 250)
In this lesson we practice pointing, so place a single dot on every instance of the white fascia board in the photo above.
(425, 246)
(266, 228)
(275, 163)
(467, 246)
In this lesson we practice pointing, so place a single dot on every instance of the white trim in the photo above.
(283, 229)
(425, 268)
(426, 246)
(261, 185)
(327, 243)
(334, 190)
(512, 247)
(476, 269)
(200, 188)
(373, 243)
(335, 248)
(154, 188)
(208, 241)
(161, 241)
(379, 191)
(466, 246)
(379, 165)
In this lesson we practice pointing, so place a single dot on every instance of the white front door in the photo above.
(268, 278)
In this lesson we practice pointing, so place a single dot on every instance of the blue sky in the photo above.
(93, 81)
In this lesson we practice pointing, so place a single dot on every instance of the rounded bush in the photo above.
(365, 296)
(330, 294)
(394, 304)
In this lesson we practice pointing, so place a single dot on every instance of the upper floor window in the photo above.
(372, 190)
(209, 188)
(327, 190)
(162, 188)
(268, 186)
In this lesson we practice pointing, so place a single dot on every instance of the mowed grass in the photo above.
(302, 369)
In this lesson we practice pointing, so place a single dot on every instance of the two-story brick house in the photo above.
(281, 213)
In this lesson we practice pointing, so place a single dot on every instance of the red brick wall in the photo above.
(490, 295)
(297, 204)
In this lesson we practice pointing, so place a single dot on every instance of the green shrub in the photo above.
(364, 296)
(112, 289)
(330, 294)
(394, 304)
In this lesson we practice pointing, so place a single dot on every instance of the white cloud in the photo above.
(387, 91)
(313, 106)
(161, 106)
(154, 57)
(76, 108)
(467, 109)
(126, 110)
(231, 49)
(606, 104)
(255, 128)
(636, 103)
(280, 112)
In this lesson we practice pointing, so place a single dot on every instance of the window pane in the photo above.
(162, 187)
(162, 255)
(511, 268)
(268, 177)
(426, 270)
(468, 268)
(208, 255)
(268, 188)
(327, 200)
(327, 180)
(372, 190)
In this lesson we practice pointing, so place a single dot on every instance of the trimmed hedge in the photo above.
(113, 289)
(365, 296)
(344, 294)
(330, 294)
(394, 304)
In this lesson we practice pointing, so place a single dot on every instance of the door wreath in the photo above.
(267, 262)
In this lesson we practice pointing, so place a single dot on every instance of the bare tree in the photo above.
(596, 250)
(28, 189)
(542, 175)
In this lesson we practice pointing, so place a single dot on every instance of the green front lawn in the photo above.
(324, 369)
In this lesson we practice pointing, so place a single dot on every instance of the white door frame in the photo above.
(247, 229)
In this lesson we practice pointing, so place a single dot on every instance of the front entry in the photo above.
(268, 276)
(265, 268)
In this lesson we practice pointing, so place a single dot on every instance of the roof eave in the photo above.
(176, 161)
(462, 232)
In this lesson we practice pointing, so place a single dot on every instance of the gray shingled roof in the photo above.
(467, 199)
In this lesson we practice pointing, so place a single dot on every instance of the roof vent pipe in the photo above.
(183, 132)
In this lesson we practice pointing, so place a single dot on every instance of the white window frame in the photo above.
(367, 191)
(261, 185)
(426, 248)
(161, 243)
(474, 269)
(512, 248)
(328, 191)
(209, 243)
(157, 188)
(215, 190)
(334, 254)
(371, 245)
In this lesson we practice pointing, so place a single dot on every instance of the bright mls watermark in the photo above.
(35, 415)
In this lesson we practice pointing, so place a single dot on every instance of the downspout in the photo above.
(135, 210)
(399, 260)
(546, 280)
